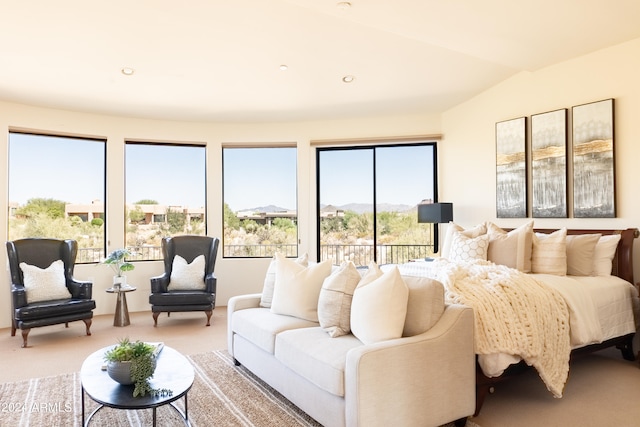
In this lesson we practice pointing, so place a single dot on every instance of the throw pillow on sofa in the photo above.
(297, 288)
(270, 280)
(334, 303)
(379, 308)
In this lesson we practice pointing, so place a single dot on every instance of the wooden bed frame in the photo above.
(623, 268)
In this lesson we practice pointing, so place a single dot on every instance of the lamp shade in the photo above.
(436, 213)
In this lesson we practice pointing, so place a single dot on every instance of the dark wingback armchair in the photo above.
(42, 253)
(165, 298)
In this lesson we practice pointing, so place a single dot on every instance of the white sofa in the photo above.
(426, 379)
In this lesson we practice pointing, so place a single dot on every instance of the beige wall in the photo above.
(467, 152)
(466, 158)
(235, 276)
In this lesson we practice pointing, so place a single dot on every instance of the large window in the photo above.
(260, 211)
(57, 189)
(165, 195)
(367, 202)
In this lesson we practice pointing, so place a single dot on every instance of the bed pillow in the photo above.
(334, 302)
(297, 288)
(603, 254)
(379, 308)
(187, 276)
(549, 254)
(465, 248)
(453, 227)
(512, 248)
(44, 284)
(270, 280)
(580, 251)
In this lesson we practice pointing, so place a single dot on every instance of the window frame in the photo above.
(362, 145)
(103, 215)
(232, 146)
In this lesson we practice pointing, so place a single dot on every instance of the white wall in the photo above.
(467, 152)
(235, 276)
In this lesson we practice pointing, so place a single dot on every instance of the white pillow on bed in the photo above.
(465, 248)
(580, 250)
(549, 254)
(603, 254)
(476, 231)
(512, 248)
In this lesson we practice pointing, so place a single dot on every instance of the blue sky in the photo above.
(72, 170)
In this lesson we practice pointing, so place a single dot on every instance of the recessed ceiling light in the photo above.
(127, 71)
(348, 79)
(344, 5)
(284, 67)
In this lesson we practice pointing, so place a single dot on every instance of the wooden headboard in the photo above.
(623, 260)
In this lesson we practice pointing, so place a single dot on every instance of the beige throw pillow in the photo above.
(550, 253)
(379, 308)
(580, 251)
(187, 276)
(334, 302)
(44, 284)
(512, 248)
(297, 288)
(270, 280)
(425, 304)
(604, 253)
(476, 231)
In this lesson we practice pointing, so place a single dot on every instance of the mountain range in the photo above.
(355, 207)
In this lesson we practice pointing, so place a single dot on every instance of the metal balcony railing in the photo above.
(361, 255)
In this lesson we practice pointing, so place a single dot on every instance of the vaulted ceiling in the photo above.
(214, 60)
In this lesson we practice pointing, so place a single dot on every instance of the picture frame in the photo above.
(511, 168)
(594, 186)
(549, 164)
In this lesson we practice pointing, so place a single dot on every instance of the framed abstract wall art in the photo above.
(511, 168)
(593, 160)
(549, 164)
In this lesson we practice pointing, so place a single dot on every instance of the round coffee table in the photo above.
(173, 371)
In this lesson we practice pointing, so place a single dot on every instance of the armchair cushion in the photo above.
(44, 284)
(187, 276)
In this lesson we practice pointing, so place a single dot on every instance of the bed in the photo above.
(548, 318)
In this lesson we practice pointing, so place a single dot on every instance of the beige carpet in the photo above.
(222, 395)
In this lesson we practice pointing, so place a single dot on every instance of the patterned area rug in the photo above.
(222, 395)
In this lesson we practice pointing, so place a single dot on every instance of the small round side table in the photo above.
(121, 318)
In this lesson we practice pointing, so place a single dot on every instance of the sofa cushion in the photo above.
(334, 302)
(297, 288)
(260, 326)
(425, 304)
(314, 355)
(270, 280)
(379, 308)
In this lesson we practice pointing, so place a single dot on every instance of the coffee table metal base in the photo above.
(184, 415)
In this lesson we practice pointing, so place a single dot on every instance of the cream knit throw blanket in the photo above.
(514, 314)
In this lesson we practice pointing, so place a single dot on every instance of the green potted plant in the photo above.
(134, 363)
(118, 263)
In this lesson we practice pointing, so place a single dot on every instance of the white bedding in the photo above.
(599, 308)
